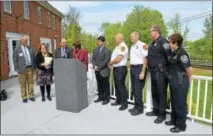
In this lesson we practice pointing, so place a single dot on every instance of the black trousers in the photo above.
(137, 85)
(119, 74)
(48, 89)
(103, 86)
(179, 93)
(159, 85)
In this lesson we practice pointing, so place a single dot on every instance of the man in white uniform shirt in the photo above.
(119, 64)
(138, 63)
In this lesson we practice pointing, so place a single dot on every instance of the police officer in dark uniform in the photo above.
(179, 76)
(157, 65)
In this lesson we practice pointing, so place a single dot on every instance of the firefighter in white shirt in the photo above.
(138, 64)
(119, 64)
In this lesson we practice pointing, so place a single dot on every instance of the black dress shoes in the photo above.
(98, 100)
(151, 114)
(105, 102)
(115, 104)
(176, 130)
(42, 98)
(137, 111)
(169, 123)
(130, 110)
(123, 107)
(159, 120)
(32, 99)
(49, 98)
(24, 100)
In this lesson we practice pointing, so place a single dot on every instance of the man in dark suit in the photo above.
(100, 59)
(63, 51)
(24, 61)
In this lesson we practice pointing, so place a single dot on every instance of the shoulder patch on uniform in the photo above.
(166, 46)
(184, 59)
(123, 49)
(145, 47)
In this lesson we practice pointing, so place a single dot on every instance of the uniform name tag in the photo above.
(20, 54)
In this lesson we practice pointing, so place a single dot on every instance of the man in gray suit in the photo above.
(25, 64)
(100, 59)
(63, 51)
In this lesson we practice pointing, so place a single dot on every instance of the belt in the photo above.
(30, 66)
(135, 66)
(120, 67)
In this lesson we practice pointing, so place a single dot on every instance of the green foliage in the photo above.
(176, 27)
(208, 27)
(140, 19)
(200, 49)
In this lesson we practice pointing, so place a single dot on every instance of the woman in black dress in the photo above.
(44, 74)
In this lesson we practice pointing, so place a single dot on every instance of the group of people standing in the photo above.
(165, 59)
(28, 62)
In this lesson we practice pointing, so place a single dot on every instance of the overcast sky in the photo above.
(94, 13)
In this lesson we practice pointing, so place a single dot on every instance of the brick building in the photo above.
(40, 21)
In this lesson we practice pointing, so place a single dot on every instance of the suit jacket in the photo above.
(40, 60)
(101, 60)
(57, 53)
(19, 60)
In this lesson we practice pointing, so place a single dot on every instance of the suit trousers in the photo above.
(26, 83)
(137, 85)
(103, 86)
(159, 83)
(121, 93)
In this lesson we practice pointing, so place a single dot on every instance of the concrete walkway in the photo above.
(43, 118)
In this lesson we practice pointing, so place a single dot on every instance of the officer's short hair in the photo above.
(101, 38)
(156, 28)
(176, 38)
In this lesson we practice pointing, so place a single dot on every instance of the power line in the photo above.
(201, 15)
(195, 16)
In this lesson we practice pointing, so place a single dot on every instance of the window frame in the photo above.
(39, 10)
(10, 7)
(49, 19)
(26, 9)
(53, 21)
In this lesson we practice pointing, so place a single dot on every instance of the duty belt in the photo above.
(178, 74)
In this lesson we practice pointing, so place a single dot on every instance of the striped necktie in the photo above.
(27, 60)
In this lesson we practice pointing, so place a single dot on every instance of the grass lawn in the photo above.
(199, 72)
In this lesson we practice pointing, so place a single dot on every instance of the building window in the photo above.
(7, 6)
(26, 9)
(53, 21)
(49, 19)
(39, 15)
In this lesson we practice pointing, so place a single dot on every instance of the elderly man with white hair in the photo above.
(24, 58)
(63, 51)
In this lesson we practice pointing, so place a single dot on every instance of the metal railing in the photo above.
(201, 106)
(201, 63)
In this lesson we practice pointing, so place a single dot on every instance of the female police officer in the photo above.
(179, 76)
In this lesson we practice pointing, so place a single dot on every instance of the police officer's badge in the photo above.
(123, 49)
(184, 59)
(145, 47)
(166, 46)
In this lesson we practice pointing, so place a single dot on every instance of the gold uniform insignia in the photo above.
(123, 49)
(145, 47)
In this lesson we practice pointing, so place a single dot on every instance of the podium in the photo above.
(70, 85)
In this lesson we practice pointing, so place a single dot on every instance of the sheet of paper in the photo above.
(48, 60)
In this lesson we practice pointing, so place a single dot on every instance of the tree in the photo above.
(176, 27)
(70, 25)
(141, 19)
(208, 27)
